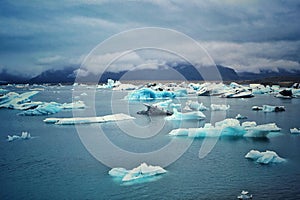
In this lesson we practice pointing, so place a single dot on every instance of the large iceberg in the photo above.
(264, 157)
(149, 94)
(24, 136)
(221, 107)
(228, 127)
(194, 115)
(140, 172)
(268, 108)
(88, 120)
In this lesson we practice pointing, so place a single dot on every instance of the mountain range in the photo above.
(179, 71)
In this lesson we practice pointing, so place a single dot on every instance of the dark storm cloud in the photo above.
(266, 32)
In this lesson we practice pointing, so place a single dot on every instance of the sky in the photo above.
(246, 35)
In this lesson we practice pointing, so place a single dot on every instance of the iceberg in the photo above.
(228, 127)
(149, 94)
(17, 101)
(295, 131)
(264, 157)
(194, 105)
(157, 109)
(88, 120)
(217, 107)
(50, 108)
(140, 172)
(110, 84)
(194, 115)
(24, 136)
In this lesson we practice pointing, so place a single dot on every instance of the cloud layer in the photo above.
(247, 35)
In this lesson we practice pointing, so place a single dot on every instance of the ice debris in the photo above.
(160, 108)
(24, 136)
(194, 105)
(17, 101)
(88, 120)
(264, 157)
(295, 131)
(228, 127)
(217, 107)
(194, 115)
(140, 172)
(239, 116)
(268, 108)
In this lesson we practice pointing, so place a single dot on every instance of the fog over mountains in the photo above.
(181, 71)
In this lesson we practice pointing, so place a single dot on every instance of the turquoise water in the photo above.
(54, 164)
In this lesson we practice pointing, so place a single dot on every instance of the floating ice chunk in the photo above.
(24, 136)
(268, 108)
(83, 94)
(239, 116)
(295, 131)
(88, 120)
(155, 109)
(14, 100)
(194, 115)
(125, 87)
(110, 84)
(228, 127)
(217, 107)
(256, 108)
(149, 94)
(50, 108)
(140, 172)
(264, 157)
(194, 105)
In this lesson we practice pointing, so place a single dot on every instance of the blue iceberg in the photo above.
(141, 172)
(149, 94)
(194, 105)
(264, 157)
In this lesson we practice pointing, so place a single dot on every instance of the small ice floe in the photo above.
(264, 157)
(83, 94)
(194, 105)
(244, 195)
(88, 120)
(239, 116)
(24, 136)
(156, 109)
(221, 107)
(268, 108)
(285, 94)
(228, 127)
(193, 115)
(141, 172)
(295, 131)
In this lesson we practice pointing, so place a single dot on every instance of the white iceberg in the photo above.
(194, 115)
(295, 131)
(221, 107)
(110, 84)
(264, 157)
(194, 105)
(88, 120)
(24, 136)
(140, 172)
(228, 127)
